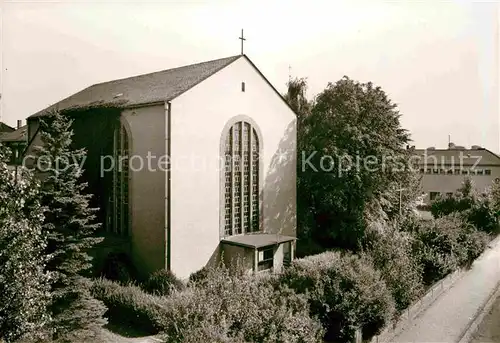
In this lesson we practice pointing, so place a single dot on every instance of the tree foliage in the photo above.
(344, 291)
(494, 193)
(70, 226)
(297, 99)
(229, 307)
(445, 244)
(479, 209)
(24, 285)
(353, 159)
(391, 252)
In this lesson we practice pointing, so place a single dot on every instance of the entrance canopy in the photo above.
(258, 240)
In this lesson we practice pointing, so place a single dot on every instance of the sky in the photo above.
(437, 60)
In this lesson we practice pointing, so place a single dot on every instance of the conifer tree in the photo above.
(70, 227)
(24, 284)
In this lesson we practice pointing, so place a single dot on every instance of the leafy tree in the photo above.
(296, 98)
(353, 158)
(298, 102)
(24, 285)
(69, 225)
(494, 193)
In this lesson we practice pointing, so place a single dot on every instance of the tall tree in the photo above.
(296, 97)
(353, 158)
(24, 284)
(70, 227)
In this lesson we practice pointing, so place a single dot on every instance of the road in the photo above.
(447, 318)
(489, 329)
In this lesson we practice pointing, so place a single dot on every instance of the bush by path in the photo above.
(344, 291)
(391, 252)
(445, 245)
(227, 308)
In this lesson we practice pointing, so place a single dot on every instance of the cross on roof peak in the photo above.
(242, 38)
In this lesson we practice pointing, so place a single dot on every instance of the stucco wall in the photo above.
(244, 257)
(198, 118)
(147, 187)
(444, 183)
(278, 258)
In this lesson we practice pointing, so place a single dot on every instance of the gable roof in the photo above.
(469, 157)
(19, 135)
(161, 86)
(5, 128)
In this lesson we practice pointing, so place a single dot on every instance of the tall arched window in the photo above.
(118, 209)
(241, 178)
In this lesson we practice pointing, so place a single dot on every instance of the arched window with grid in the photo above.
(118, 216)
(241, 178)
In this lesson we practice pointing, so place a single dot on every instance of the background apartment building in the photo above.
(16, 140)
(444, 170)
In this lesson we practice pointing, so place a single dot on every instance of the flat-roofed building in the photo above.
(444, 170)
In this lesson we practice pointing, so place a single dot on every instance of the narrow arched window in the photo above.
(118, 209)
(241, 179)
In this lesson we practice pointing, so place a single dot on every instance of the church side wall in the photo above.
(198, 119)
(147, 186)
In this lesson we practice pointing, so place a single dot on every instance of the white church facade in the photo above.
(210, 167)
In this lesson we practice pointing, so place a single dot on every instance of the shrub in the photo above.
(446, 244)
(239, 268)
(234, 308)
(474, 242)
(483, 216)
(118, 267)
(391, 252)
(24, 285)
(478, 209)
(344, 291)
(129, 304)
(199, 277)
(162, 282)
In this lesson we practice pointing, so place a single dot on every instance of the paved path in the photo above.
(489, 330)
(447, 318)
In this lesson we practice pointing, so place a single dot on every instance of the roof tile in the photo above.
(142, 89)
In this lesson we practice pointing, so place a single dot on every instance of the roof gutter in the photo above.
(168, 195)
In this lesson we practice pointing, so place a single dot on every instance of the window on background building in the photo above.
(479, 172)
(241, 177)
(465, 172)
(119, 212)
(487, 172)
(449, 172)
(442, 171)
(457, 171)
(429, 171)
(435, 171)
(422, 171)
(433, 195)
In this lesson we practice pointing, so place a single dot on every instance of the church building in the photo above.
(190, 166)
